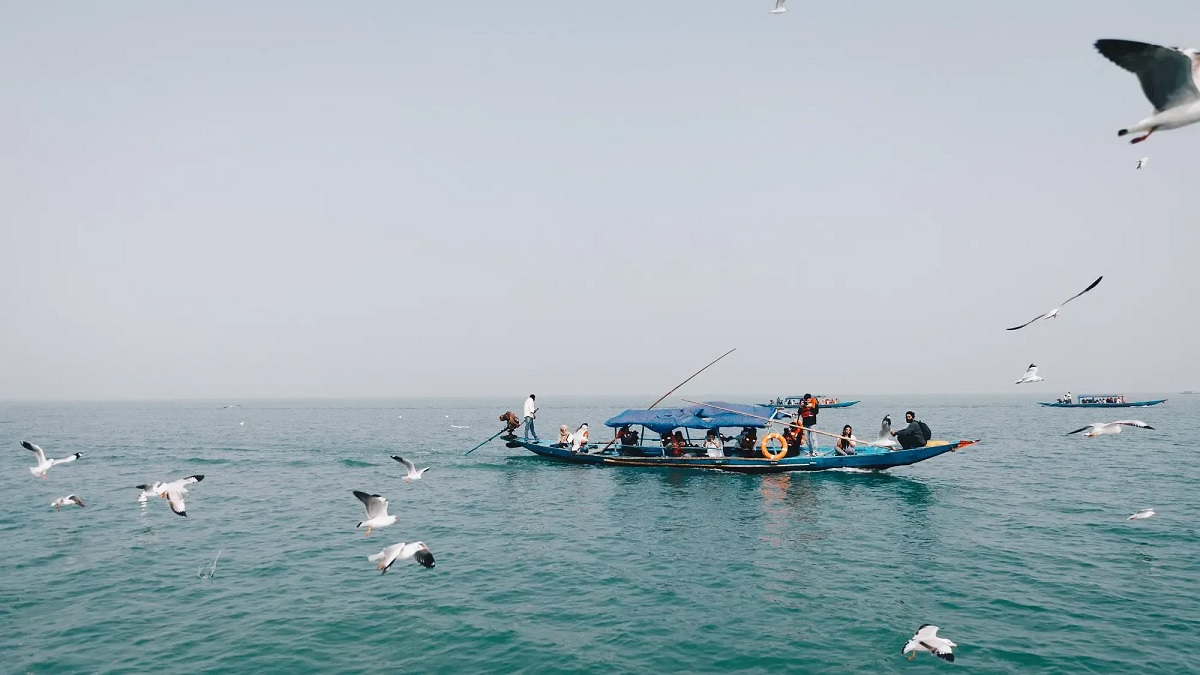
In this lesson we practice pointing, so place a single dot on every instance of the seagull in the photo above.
(1140, 515)
(1102, 428)
(926, 639)
(413, 473)
(377, 515)
(1168, 77)
(885, 435)
(148, 490)
(173, 492)
(459, 426)
(43, 463)
(1054, 312)
(779, 8)
(63, 501)
(1142, 163)
(402, 551)
(1030, 375)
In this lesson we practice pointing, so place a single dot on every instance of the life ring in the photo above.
(782, 451)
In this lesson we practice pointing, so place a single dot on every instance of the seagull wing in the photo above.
(1026, 323)
(75, 499)
(376, 505)
(191, 479)
(1165, 73)
(386, 552)
(64, 460)
(1093, 285)
(407, 464)
(175, 500)
(1134, 423)
(779, 4)
(1082, 429)
(41, 456)
(940, 647)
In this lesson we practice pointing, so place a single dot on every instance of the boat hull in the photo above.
(1131, 404)
(876, 459)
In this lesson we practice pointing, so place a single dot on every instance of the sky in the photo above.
(385, 199)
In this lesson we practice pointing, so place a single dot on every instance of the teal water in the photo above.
(1018, 548)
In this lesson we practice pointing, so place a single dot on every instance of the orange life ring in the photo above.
(782, 451)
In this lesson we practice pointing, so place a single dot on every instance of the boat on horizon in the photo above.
(789, 402)
(1100, 401)
(690, 453)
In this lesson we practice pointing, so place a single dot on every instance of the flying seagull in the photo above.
(779, 8)
(148, 490)
(1168, 77)
(173, 492)
(1102, 428)
(413, 472)
(1140, 515)
(63, 501)
(1142, 163)
(377, 515)
(1054, 312)
(44, 464)
(402, 551)
(1030, 375)
(927, 640)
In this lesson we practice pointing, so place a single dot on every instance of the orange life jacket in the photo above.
(808, 408)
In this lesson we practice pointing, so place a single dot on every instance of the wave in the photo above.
(355, 463)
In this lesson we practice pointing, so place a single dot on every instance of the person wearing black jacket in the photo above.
(913, 435)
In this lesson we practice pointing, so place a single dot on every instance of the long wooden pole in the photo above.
(660, 399)
(790, 424)
(482, 444)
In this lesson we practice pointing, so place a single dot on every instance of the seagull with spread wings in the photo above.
(1168, 77)
(413, 472)
(1104, 428)
(402, 551)
(1054, 312)
(1031, 375)
(63, 501)
(173, 492)
(377, 515)
(927, 640)
(43, 464)
(779, 8)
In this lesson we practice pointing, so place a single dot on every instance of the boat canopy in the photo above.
(694, 417)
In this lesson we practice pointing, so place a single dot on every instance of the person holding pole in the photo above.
(529, 414)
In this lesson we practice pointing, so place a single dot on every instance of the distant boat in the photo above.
(1101, 401)
(688, 453)
(788, 402)
(1189, 391)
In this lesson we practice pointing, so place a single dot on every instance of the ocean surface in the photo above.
(1019, 548)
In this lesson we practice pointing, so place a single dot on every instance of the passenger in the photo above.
(564, 436)
(809, 407)
(845, 445)
(679, 444)
(629, 440)
(746, 441)
(579, 439)
(794, 435)
(712, 444)
(913, 435)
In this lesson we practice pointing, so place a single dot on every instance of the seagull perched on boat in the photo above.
(1030, 375)
(1142, 163)
(413, 472)
(926, 639)
(1102, 428)
(63, 501)
(377, 515)
(173, 492)
(402, 551)
(1168, 77)
(43, 464)
(1140, 515)
(1054, 312)
(779, 8)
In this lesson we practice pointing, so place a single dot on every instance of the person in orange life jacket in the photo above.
(809, 407)
(794, 435)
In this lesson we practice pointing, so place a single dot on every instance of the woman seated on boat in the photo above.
(629, 440)
(794, 435)
(845, 444)
(579, 439)
(712, 444)
(564, 436)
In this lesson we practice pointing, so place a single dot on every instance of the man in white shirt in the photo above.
(530, 413)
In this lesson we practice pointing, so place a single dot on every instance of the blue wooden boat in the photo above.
(788, 402)
(666, 421)
(1100, 401)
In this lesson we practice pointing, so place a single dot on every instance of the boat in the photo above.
(1101, 401)
(788, 402)
(718, 416)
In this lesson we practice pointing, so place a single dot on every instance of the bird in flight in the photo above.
(1168, 77)
(1054, 312)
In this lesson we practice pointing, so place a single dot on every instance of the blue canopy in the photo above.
(694, 417)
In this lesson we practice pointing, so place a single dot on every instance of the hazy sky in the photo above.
(275, 199)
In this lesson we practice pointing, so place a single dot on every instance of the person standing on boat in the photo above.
(1067, 398)
(529, 415)
(809, 407)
